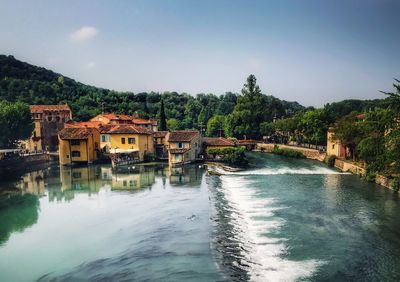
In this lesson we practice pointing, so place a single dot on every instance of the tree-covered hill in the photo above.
(20, 81)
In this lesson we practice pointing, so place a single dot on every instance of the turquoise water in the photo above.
(280, 220)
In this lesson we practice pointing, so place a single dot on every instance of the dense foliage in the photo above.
(287, 152)
(231, 155)
(15, 123)
(374, 139)
(20, 81)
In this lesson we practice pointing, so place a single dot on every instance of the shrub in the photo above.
(396, 184)
(370, 176)
(331, 160)
(287, 152)
(230, 155)
(149, 157)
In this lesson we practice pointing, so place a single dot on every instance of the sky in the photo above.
(309, 51)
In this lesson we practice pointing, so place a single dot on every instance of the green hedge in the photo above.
(230, 155)
(287, 152)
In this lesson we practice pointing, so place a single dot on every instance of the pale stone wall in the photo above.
(308, 153)
(349, 167)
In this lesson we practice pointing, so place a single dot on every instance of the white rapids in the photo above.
(254, 220)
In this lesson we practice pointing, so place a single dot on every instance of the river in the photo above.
(280, 220)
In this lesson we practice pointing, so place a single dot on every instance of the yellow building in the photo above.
(183, 147)
(78, 145)
(128, 138)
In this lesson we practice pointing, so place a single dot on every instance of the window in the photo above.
(57, 119)
(176, 157)
(76, 154)
(123, 140)
(179, 145)
(333, 146)
(49, 118)
(131, 140)
(75, 142)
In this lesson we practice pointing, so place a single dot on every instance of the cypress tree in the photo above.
(163, 120)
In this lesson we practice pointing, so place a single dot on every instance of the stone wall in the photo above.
(308, 153)
(349, 167)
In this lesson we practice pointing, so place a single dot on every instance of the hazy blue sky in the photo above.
(310, 51)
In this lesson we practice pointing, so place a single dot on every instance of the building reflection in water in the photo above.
(131, 178)
(185, 175)
(33, 183)
(62, 183)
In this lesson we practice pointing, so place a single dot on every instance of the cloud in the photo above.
(90, 65)
(84, 33)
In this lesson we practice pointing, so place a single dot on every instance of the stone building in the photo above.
(48, 121)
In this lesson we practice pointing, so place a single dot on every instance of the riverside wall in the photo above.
(12, 167)
(308, 153)
(339, 164)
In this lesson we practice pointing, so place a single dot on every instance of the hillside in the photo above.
(36, 85)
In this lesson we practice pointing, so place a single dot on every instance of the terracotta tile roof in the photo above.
(113, 117)
(218, 141)
(76, 133)
(160, 133)
(141, 121)
(124, 129)
(361, 116)
(88, 124)
(182, 135)
(178, 151)
(41, 108)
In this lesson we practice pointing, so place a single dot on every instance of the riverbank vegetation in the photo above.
(286, 152)
(235, 156)
(15, 123)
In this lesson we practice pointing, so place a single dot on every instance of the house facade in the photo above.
(128, 138)
(48, 121)
(183, 147)
(78, 145)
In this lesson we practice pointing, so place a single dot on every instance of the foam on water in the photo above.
(254, 220)
(317, 170)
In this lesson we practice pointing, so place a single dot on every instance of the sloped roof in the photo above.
(141, 121)
(41, 108)
(182, 135)
(361, 116)
(124, 129)
(114, 117)
(160, 133)
(217, 141)
(76, 133)
(88, 124)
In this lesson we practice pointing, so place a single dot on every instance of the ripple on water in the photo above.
(246, 250)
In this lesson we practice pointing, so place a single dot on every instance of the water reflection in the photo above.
(185, 175)
(17, 212)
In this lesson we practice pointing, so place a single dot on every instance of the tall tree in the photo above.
(163, 119)
(15, 123)
(250, 111)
